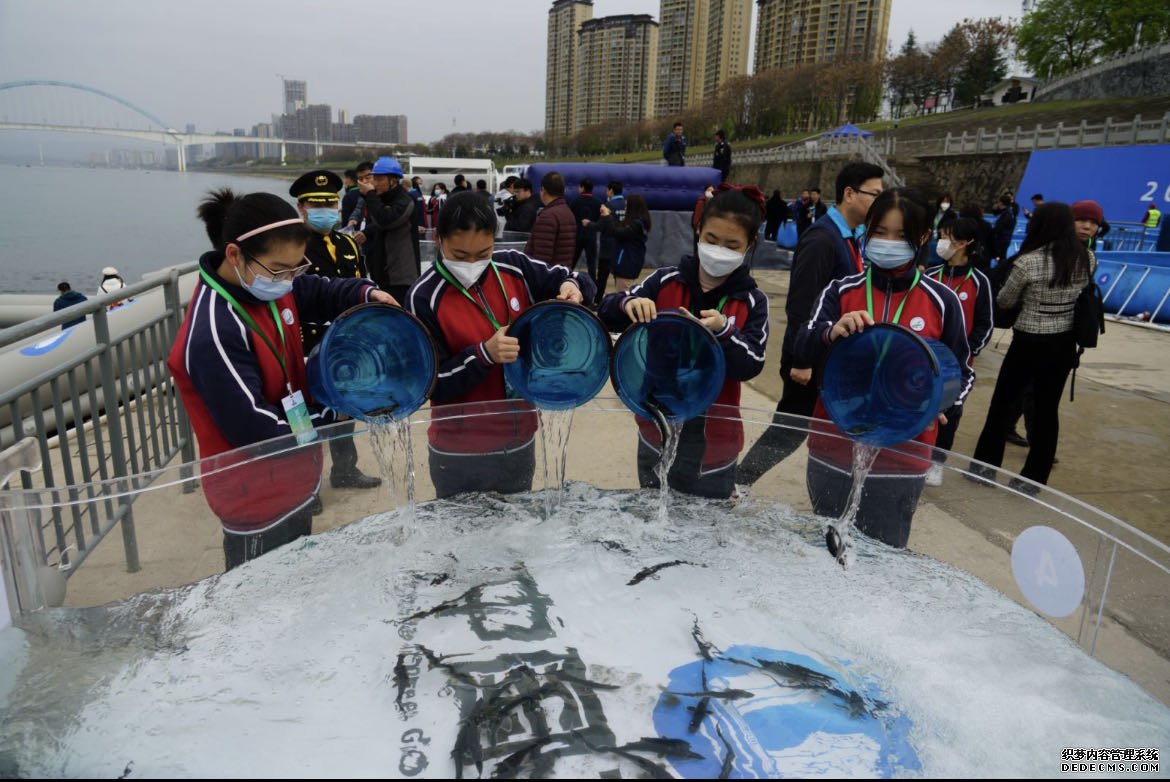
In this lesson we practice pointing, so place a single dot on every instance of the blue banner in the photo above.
(1124, 180)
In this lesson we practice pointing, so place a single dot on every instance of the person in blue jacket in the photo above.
(68, 298)
(715, 287)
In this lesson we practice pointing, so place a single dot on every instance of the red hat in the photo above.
(1088, 210)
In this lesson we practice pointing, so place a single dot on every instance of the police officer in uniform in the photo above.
(333, 254)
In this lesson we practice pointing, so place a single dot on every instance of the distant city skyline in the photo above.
(477, 65)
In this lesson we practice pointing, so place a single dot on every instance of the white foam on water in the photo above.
(555, 426)
(311, 661)
(391, 443)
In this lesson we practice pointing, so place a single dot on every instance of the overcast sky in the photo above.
(216, 62)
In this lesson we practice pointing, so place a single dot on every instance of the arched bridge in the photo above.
(63, 114)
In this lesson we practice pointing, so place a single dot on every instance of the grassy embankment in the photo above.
(1024, 115)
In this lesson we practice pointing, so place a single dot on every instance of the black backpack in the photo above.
(1088, 325)
(1088, 317)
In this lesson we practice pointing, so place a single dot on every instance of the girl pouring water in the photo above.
(892, 289)
(714, 286)
(467, 300)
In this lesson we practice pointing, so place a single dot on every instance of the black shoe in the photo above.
(315, 507)
(1015, 438)
(1024, 487)
(977, 473)
(355, 479)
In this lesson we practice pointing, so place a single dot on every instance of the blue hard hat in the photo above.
(387, 166)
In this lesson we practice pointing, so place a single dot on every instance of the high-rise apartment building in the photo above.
(615, 69)
(701, 44)
(384, 128)
(797, 32)
(564, 22)
(729, 25)
(296, 95)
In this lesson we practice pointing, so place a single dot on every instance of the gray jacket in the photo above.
(390, 238)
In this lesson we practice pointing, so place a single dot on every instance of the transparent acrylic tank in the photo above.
(587, 628)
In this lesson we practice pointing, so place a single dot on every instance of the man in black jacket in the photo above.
(333, 254)
(523, 214)
(587, 211)
(390, 236)
(722, 159)
(827, 251)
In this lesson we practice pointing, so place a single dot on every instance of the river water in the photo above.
(63, 223)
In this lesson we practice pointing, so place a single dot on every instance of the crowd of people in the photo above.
(277, 275)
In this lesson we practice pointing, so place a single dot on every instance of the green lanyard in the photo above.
(446, 275)
(955, 288)
(243, 313)
(869, 292)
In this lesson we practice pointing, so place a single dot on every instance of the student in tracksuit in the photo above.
(716, 288)
(892, 289)
(467, 300)
(239, 366)
(957, 245)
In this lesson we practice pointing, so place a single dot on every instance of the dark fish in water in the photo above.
(438, 662)
(671, 748)
(724, 695)
(646, 572)
(446, 605)
(798, 676)
(509, 767)
(706, 648)
(660, 420)
(728, 759)
(401, 678)
(613, 545)
(467, 748)
(699, 712)
(793, 675)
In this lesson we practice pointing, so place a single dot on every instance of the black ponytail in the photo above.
(226, 216)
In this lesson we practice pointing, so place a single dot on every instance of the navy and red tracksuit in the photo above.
(708, 447)
(932, 311)
(975, 296)
(232, 385)
(468, 380)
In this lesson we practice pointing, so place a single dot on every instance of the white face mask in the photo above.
(944, 206)
(467, 272)
(718, 261)
(889, 253)
(945, 249)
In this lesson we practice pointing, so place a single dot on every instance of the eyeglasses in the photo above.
(284, 274)
(866, 192)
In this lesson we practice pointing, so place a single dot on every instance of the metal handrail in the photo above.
(107, 413)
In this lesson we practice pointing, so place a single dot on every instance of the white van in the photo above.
(444, 169)
(516, 171)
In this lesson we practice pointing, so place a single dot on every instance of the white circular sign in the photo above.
(917, 324)
(515, 304)
(963, 296)
(287, 315)
(1048, 571)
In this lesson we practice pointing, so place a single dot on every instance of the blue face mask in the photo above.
(889, 253)
(264, 288)
(323, 220)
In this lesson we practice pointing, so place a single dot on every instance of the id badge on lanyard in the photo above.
(297, 413)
